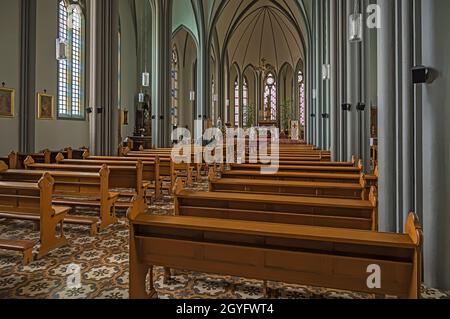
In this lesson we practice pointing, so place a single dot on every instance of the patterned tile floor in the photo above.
(103, 261)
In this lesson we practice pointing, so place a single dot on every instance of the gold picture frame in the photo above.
(45, 107)
(124, 117)
(7, 97)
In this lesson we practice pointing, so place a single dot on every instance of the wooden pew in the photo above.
(325, 212)
(150, 167)
(10, 160)
(294, 188)
(77, 189)
(25, 247)
(294, 176)
(293, 254)
(126, 180)
(33, 202)
(301, 168)
(168, 168)
(43, 158)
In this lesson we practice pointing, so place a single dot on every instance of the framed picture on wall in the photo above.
(7, 102)
(124, 117)
(45, 106)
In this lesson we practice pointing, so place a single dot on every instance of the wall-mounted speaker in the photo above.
(361, 106)
(346, 107)
(420, 74)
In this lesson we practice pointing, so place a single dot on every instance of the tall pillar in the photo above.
(353, 85)
(161, 84)
(334, 80)
(407, 109)
(386, 117)
(436, 141)
(103, 97)
(27, 76)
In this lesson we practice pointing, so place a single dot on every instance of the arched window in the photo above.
(71, 69)
(236, 103)
(245, 102)
(301, 97)
(213, 99)
(270, 97)
(174, 92)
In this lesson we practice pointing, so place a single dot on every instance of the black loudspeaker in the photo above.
(313, 115)
(99, 110)
(325, 116)
(419, 74)
(361, 106)
(346, 107)
(89, 110)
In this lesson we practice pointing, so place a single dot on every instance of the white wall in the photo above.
(53, 134)
(10, 70)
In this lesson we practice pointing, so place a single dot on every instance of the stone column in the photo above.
(386, 117)
(407, 109)
(334, 79)
(436, 141)
(103, 97)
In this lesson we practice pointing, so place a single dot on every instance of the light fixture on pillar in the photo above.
(355, 24)
(215, 98)
(61, 49)
(326, 72)
(146, 79)
(141, 97)
(192, 96)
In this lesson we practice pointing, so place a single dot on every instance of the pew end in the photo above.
(3, 166)
(137, 207)
(178, 186)
(353, 160)
(373, 199)
(12, 160)
(59, 158)
(363, 184)
(86, 154)
(28, 161)
(414, 230)
(360, 165)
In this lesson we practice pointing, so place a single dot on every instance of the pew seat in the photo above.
(315, 211)
(295, 188)
(25, 247)
(85, 189)
(24, 198)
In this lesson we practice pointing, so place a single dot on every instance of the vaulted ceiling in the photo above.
(250, 30)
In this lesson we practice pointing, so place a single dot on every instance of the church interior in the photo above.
(106, 113)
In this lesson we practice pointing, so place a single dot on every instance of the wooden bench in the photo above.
(294, 188)
(325, 212)
(76, 189)
(301, 168)
(293, 254)
(126, 180)
(25, 247)
(150, 167)
(10, 160)
(168, 168)
(294, 176)
(33, 201)
(43, 158)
